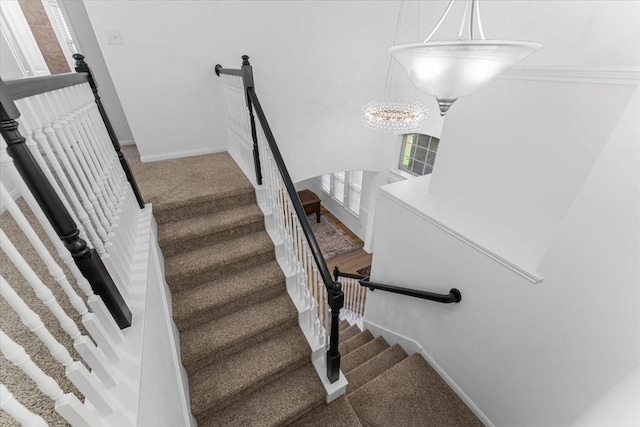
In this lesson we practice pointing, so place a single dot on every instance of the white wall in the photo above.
(316, 65)
(525, 354)
(86, 41)
(541, 172)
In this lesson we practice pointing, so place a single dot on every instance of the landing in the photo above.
(171, 183)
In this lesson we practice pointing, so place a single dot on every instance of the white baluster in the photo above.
(89, 386)
(55, 133)
(49, 103)
(11, 406)
(67, 405)
(45, 295)
(96, 330)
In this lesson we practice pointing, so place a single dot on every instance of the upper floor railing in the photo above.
(63, 158)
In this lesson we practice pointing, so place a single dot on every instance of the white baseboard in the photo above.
(411, 346)
(127, 142)
(180, 154)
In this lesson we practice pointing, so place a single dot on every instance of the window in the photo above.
(337, 192)
(354, 191)
(418, 153)
(344, 187)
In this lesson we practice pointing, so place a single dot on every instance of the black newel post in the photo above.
(83, 67)
(335, 298)
(87, 260)
(247, 78)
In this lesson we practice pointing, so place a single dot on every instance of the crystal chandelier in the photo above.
(391, 116)
(394, 116)
(455, 68)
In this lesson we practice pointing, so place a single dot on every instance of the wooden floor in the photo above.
(352, 261)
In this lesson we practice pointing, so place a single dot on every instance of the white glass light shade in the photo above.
(451, 69)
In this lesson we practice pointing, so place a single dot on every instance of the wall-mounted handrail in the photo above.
(454, 295)
(335, 295)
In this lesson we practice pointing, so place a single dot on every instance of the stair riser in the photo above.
(198, 317)
(193, 209)
(179, 281)
(374, 367)
(193, 365)
(189, 243)
(221, 404)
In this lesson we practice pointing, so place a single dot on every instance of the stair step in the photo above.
(373, 367)
(360, 355)
(193, 186)
(343, 325)
(352, 343)
(218, 338)
(220, 297)
(337, 413)
(411, 393)
(276, 404)
(349, 332)
(192, 268)
(217, 227)
(216, 386)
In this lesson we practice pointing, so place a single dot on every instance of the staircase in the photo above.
(247, 360)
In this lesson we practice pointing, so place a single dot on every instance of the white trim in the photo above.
(127, 142)
(180, 154)
(533, 278)
(411, 346)
(628, 76)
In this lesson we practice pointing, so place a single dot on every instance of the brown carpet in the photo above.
(247, 360)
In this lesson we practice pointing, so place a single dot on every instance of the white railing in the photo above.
(238, 123)
(304, 281)
(354, 301)
(68, 139)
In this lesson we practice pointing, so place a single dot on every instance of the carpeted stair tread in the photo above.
(363, 353)
(338, 413)
(276, 404)
(216, 227)
(343, 325)
(409, 394)
(354, 342)
(373, 367)
(191, 186)
(220, 297)
(349, 332)
(213, 340)
(189, 269)
(218, 385)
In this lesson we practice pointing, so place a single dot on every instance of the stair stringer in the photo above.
(306, 313)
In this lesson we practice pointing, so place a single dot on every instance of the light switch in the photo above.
(113, 37)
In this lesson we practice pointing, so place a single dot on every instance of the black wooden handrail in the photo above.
(454, 295)
(30, 86)
(335, 296)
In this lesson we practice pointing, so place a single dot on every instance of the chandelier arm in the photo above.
(444, 15)
(479, 20)
(471, 16)
(390, 68)
(464, 19)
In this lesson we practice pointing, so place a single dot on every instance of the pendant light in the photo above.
(394, 116)
(455, 68)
